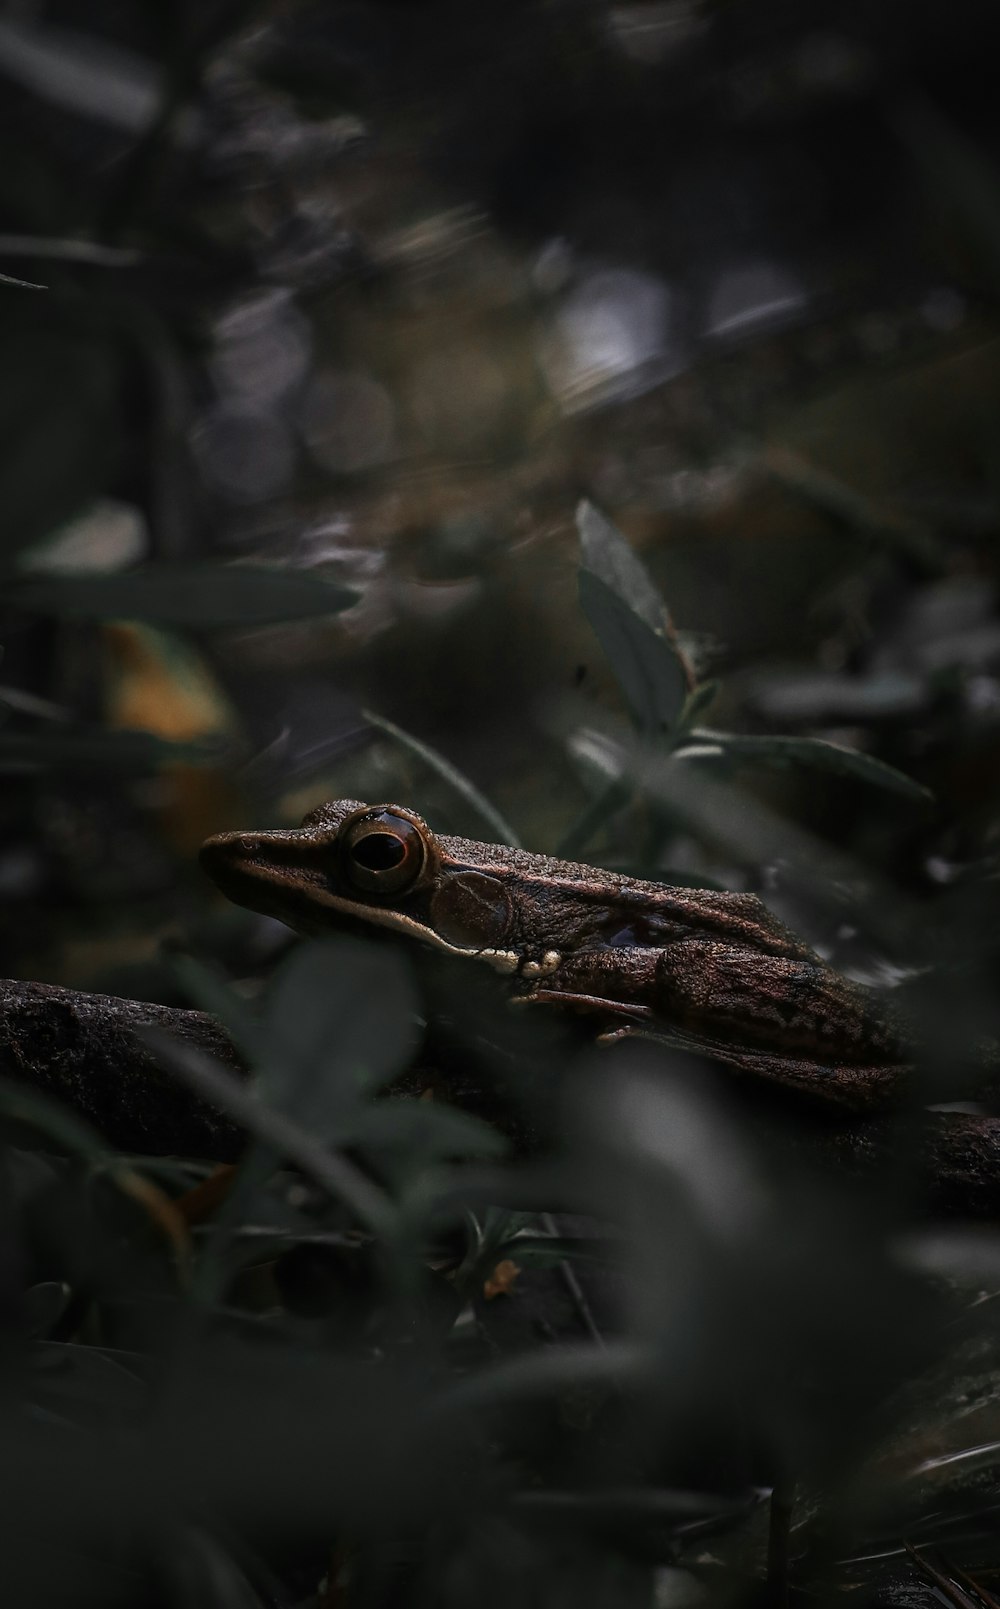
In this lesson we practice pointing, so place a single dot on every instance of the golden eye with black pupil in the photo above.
(381, 852)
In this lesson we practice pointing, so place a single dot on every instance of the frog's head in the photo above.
(377, 866)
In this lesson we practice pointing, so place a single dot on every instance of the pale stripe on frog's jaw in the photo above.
(236, 862)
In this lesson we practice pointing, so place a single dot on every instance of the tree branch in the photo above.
(86, 1051)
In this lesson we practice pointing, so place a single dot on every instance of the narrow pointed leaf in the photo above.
(456, 779)
(812, 752)
(606, 553)
(647, 669)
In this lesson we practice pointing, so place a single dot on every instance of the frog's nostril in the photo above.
(222, 850)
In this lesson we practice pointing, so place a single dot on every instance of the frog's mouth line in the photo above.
(263, 885)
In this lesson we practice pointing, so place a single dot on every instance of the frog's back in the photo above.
(667, 912)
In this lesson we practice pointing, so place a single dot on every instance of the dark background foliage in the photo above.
(576, 421)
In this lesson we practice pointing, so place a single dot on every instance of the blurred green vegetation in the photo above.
(576, 422)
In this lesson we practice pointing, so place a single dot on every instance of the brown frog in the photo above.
(711, 972)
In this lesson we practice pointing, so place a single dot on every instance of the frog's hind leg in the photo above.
(857, 1086)
(854, 1086)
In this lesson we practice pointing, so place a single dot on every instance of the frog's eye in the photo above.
(382, 852)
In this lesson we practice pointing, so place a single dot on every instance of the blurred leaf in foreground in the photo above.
(201, 595)
(339, 1023)
(333, 1172)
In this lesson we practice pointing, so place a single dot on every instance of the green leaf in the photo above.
(696, 703)
(332, 1171)
(61, 749)
(339, 1023)
(631, 622)
(528, 1246)
(606, 554)
(185, 595)
(813, 752)
(648, 671)
(214, 993)
(424, 1132)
